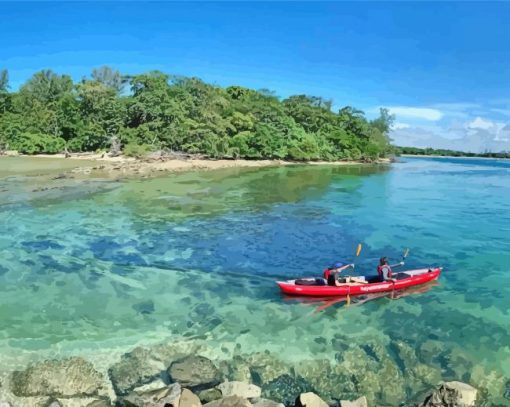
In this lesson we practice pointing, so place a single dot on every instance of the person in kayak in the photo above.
(384, 270)
(331, 273)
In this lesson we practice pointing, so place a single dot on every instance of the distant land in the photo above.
(447, 153)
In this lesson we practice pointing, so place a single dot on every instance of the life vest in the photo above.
(380, 270)
(326, 274)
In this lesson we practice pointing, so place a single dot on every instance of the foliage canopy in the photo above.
(153, 110)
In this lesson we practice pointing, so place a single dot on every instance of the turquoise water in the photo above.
(93, 265)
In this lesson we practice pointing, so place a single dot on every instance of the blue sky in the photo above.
(443, 68)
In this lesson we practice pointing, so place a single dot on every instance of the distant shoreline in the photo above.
(129, 166)
(452, 156)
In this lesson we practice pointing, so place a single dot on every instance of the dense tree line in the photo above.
(449, 153)
(154, 111)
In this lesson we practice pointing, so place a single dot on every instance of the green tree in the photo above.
(110, 78)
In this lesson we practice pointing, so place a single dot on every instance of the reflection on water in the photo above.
(95, 266)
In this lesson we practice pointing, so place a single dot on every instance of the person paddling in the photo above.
(330, 274)
(384, 270)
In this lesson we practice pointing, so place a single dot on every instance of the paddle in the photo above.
(404, 255)
(358, 251)
(406, 252)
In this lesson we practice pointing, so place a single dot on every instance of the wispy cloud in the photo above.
(504, 112)
(424, 113)
(400, 126)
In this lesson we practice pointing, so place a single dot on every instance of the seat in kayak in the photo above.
(310, 281)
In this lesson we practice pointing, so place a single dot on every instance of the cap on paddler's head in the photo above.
(336, 265)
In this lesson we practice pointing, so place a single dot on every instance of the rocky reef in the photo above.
(176, 376)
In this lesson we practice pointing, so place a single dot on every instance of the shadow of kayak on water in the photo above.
(323, 303)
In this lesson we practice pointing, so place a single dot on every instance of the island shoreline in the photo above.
(153, 166)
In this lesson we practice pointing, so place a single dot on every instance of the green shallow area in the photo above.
(95, 267)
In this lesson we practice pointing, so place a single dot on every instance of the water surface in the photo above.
(94, 265)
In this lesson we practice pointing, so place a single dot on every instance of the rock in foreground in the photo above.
(194, 372)
(165, 397)
(310, 400)
(188, 399)
(72, 377)
(134, 369)
(451, 394)
(232, 401)
(361, 402)
(248, 391)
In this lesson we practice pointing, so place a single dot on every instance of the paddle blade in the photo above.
(406, 253)
(358, 250)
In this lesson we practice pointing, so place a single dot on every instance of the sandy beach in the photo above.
(129, 166)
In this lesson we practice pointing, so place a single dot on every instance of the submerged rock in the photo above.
(188, 399)
(155, 385)
(265, 367)
(260, 402)
(373, 373)
(451, 394)
(361, 402)
(165, 397)
(232, 401)
(240, 389)
(135, 368)
(236, 369)
(70, 377)
(99, 403)
(284, 388)
(209, 395)
(310, 400)
(194, 372)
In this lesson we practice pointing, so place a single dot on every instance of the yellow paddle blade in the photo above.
(358, 250)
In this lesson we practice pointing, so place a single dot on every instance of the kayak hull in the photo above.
(416, 278)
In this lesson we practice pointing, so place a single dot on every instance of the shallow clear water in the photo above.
(92, 264)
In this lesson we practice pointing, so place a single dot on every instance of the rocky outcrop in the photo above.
(194, 372)
(240, 389)
(72, 377)
(99, 403)
(284, 388)
(260, 402)
(360, 402)
(167, 396)
(451, 394)
(310, 400)
(232, 401)
(209, 395)
(135, 368)
(189, 399)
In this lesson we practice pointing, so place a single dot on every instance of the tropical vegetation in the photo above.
(50, 113)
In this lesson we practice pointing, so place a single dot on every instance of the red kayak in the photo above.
(318, 286)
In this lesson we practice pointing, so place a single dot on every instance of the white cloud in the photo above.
(476, 135)
(480, 123)
(424, 113)
(399, 126)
